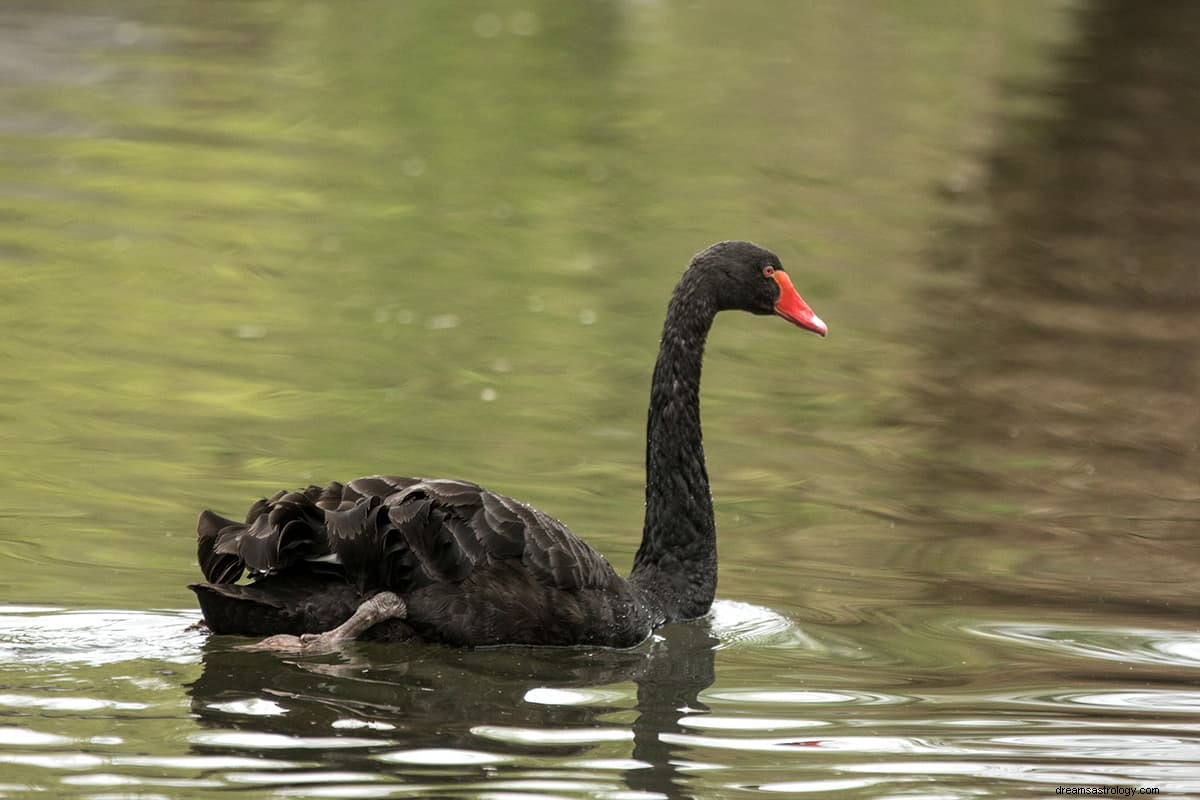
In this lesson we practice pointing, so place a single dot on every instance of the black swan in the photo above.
(448, 561)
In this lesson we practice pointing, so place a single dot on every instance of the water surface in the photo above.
(255, 245)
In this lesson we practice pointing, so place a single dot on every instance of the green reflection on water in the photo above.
(281, 245)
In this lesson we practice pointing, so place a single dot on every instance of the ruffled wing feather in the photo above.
(397, 533)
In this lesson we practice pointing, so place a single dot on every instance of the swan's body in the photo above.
(454, 563)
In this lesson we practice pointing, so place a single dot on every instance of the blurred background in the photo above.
(254, 245)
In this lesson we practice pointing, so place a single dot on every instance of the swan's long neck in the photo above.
(676, 565)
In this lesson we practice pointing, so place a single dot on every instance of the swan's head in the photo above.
(750, 278)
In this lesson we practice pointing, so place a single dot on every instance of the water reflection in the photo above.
(1125, 645)
(375, 721)
(1059, 394)
(470, 713)
(47, 635)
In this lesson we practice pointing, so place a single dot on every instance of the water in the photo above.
(256, 245)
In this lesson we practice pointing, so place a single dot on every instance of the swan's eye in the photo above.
(768, 271)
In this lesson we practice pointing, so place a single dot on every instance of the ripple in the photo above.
(249, 740)
(609, 764)
(537, 787)
(542, 736)
(574, 697)
(292, 778)
(101, 779)
(1141, 645)
(442, 756)
(360, 790)
(67, 703)
(853, 744)
(1167, 779)
(56, 760)
(1140, 700)
(359, 724)
(204, 763)
(804, 697)
(42, 635)
(23, 737)
(739, 625)
(1103, 747)
(716, 722)
(251, 706)
(819, 786)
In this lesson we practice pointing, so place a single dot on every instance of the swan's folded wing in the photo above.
(276, 538)
(480, 526)
(218, 566)
(399, 533)
(560, 558)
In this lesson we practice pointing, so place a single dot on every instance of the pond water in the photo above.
(248, 246)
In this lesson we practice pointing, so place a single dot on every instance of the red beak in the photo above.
(791, 306)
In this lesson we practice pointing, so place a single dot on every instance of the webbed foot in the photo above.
(372, 611)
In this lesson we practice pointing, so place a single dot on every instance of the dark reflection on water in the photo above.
(1061, 383)
(465, 715)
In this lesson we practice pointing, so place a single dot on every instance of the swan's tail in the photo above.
(297, 605)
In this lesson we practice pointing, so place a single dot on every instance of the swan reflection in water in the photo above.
(471, 714)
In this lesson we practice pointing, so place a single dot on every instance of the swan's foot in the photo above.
(371, 612)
